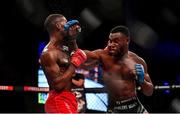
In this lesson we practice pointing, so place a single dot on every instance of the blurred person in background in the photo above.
(78, 89)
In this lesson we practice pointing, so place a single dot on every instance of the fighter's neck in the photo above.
(55, 42)
(122, 55)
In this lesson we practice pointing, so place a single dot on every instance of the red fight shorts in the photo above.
(63, 102)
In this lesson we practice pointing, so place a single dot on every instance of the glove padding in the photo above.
(70, 24)
(78, 57)
(71, 34)
(140, 73)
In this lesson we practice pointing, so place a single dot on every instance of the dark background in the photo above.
(154, 26)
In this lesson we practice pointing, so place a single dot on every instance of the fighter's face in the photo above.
(117, 43)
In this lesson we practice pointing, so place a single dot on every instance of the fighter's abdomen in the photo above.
(120, 89)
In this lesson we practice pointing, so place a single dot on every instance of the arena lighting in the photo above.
(178, 80)
(168, 49)
(90, 19)
(111, 9)
(33, 10)
(89, 90)
(166, 83)
(169, 16)
(6, 88)
(41, 47)
(143, 35)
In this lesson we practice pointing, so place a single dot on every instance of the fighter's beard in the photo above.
(121, 52)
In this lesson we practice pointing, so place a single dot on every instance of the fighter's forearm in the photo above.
(78, 82)
(89, 64)
(61, 81)
(93, 60)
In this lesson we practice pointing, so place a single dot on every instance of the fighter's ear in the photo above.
(58, 26)
(128, 40)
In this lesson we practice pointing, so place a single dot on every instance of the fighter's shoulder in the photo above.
(132, 54)
(136, 57)
(48, 55)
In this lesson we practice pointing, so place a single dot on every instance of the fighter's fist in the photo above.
(140, 73)
(73, 29)
(70, 24)
(78, 57)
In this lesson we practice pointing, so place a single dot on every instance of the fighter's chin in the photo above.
(112, 53)
(115, 53)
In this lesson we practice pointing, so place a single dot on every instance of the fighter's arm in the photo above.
(93, 59)
(78, 83)
(56, 78)
(78, 80)
(147, 86)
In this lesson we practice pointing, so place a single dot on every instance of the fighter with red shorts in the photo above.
(59, 63)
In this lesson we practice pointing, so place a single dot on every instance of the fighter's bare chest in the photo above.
(63, 59)
(120, 67)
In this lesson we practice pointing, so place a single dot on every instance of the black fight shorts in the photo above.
(131, 105)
